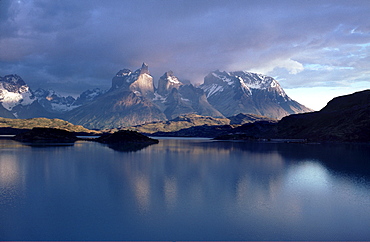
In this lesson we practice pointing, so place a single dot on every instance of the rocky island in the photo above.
(45, 136)
(126, 140)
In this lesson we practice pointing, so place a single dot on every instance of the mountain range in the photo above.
(133, 99)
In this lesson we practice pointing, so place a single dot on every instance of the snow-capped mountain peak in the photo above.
(217, 81)
(14, 91)
(246, 92)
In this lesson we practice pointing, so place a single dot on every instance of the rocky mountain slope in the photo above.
(243, 92)
(116, 109)
(243, 118)
(55, 103)
(175, 98)
(127, 103)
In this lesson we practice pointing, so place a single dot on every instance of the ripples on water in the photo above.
(185, 189)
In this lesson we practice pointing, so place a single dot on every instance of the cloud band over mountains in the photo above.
(84, 43)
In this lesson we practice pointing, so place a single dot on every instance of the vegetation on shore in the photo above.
(193, 123)
(15, 126)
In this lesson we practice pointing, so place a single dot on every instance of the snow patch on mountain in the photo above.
(10, 99)
(54, 102)
(212, 89)
(158, 97)
(124, 72)
(94, 94)
(88, 96)
(61, 107)
(246, 88)
(173, 79)
(224, 78)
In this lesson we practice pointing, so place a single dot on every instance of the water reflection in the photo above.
(170, 192)
(142, 192)
(9, 170)
(308, 175)
(188, 190)
(256, 174)
(128, 147)
(11, 182)
(274, 185)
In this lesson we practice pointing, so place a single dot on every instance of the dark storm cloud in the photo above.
(84, 43)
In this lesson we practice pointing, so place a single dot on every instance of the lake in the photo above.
(185, 189)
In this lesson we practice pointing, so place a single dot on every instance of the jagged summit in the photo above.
(140, 81)
(175, 98)
(144, 69)
(167, 82)
(13, 83)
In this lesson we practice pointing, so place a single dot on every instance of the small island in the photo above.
(125, 136)
(126, 140)
(46, 136)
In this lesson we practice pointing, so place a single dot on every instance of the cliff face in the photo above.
(144, 84)
(167, 82)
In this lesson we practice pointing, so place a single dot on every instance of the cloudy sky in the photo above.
(316, 49)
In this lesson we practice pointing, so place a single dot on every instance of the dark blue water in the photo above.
(185, 190)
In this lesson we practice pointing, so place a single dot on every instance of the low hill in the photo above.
(13, 126)
(206, 131)
(345, 118)
(244, 118)
(181, 122)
